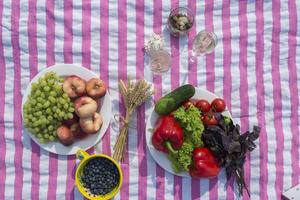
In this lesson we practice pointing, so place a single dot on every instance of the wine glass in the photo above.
(203, 43)
(160, 61)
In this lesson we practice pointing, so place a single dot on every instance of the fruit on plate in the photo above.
(53, 110)
(174, 99)
(47, 107)
(91, 124)
(218, 105)
(74, 86)
(203, 105)
(209, 119)
(96, 88)
(167, 133)
(65, 135)
(85, 106)
(204, 164)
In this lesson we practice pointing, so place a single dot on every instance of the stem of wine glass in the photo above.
(192, 56)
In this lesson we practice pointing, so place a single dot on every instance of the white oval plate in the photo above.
(160, 157)
(105, 111)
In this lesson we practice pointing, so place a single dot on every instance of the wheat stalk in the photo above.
(134, 94)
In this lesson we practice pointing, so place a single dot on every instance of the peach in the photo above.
(74, 86)
(65, 135)
(96, 88)
(91, 124)
(85, 106)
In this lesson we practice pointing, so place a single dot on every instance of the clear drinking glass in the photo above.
(203, 43)
(160, 61)
(180, 21)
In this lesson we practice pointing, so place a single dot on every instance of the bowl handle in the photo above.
(81, 155)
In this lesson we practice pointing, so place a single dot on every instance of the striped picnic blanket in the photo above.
(254, 68)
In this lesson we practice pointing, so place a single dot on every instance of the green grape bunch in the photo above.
(47, 107)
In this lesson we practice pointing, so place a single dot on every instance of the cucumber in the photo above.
(174, 99)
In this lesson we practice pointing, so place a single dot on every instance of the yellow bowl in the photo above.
(84, 158)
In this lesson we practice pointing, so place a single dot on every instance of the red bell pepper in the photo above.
(168, 135)
(204, 164)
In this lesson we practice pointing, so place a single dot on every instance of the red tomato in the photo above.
(218, 105)
(209, 120)
(203, 105)
(187, 104)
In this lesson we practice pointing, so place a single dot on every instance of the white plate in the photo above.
(105, 111)
(160, 157)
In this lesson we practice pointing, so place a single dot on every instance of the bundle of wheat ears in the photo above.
(134, 94)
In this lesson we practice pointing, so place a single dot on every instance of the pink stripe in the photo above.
(292, 44)
(244, 97)
(141, 146)
(50, 33)
(210, 80)
(277, 97)
(260, 89)
(68, 58)
(175, 77)
(50, 60)
(104, 72)
(122, 74)
(192, 78)
(68, 32)
(15, 17)
(157, 80)
(2, 110)
(210, 58)
(86, 33)
(33, 63)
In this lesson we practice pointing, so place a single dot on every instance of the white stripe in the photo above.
(269, 103)
(286, 97)
(59, 31)
(61, 177)
(113, 70)
(8, 117)
(131, 71)
(44, 173)
(23, 40)
(254, 163)
(151, 164)
(77, 32)
(219, 73)
(95, 37)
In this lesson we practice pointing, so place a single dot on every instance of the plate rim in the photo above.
(76, 148)
(149, 134)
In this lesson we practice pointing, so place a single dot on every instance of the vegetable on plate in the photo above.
(174, 99)
(167, 134)
(204, 164)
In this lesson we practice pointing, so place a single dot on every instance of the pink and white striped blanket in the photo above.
(254, 67)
